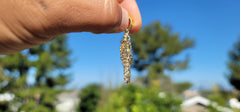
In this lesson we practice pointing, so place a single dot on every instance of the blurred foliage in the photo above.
(154, 50)
(218, 95)
(211, 108)
(37, 99)
(234, 65)
(182, 86)
(90, 97)
(49, 61)
(134, 98)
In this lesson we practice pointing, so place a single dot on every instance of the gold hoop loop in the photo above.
(130, 24)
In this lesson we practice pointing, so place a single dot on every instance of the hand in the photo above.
(27, 23)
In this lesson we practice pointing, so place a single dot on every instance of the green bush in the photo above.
(89, 96)
(139, 99)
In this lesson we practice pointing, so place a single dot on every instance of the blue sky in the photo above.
(213, 24)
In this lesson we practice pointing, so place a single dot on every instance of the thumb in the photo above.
(125, 20)
(133, 12)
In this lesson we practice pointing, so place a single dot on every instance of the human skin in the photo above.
(27, 23)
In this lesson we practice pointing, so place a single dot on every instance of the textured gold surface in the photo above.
(126, 54)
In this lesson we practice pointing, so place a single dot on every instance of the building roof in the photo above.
(196, 100)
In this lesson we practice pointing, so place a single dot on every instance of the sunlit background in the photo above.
(95, 73)
(214, 25)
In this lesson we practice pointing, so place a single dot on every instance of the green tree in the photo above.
(154, 50)
(89, 96)
(49, 61)
(234, 65)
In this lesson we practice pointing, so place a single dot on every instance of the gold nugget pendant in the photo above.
(126, 54)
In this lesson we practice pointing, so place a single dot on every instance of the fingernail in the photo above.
(125, 19)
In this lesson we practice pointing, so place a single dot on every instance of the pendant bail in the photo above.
(129, 24)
